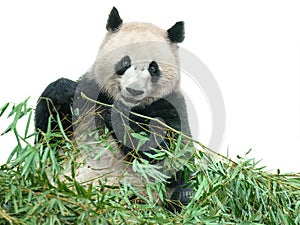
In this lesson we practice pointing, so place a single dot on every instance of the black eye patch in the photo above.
(154, 69)
(123, 65)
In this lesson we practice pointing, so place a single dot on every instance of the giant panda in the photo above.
(135, 77)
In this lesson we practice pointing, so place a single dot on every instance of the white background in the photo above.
(251, 47)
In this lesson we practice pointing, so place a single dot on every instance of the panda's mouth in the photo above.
(130, 100)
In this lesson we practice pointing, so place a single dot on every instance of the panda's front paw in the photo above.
(57, 98)
(180, 197)
(61, 91)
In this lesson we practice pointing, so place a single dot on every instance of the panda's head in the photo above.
(137, 63)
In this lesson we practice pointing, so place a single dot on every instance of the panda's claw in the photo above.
(183, 195)
(180, 197)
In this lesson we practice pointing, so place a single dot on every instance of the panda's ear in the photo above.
(114, 20)
(176, 32)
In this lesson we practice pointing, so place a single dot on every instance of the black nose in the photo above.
(134, 92)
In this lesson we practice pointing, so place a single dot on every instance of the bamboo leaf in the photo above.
(3, 108)
(34, 189)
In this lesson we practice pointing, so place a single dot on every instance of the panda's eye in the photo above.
(153, 69)
(126, 62)
(123, 65)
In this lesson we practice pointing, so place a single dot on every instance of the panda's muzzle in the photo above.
(135, 84)
(134, 92)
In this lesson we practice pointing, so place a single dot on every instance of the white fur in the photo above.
(143, 43)
(137, 78)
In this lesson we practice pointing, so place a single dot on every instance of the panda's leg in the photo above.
(179, 184)
(182, 192)
(175, 116)
(55, 100)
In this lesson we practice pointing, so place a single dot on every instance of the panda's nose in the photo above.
(134, 92)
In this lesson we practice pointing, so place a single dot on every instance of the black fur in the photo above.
(170, 110)
(176, 32)
(56, 98)
(154, 69)
(123, 65)
(114, 20)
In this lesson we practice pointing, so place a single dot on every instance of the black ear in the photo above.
(114, 20)
(176, 33)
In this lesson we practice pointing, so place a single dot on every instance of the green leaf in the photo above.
(61, 128)
(140, 136)
(28, 124)
(3, 108)
(34, 190)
